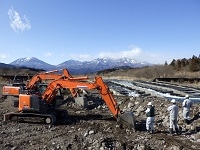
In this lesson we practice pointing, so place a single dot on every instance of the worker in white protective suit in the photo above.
(187, 104)
(173, 115)
(150, 113)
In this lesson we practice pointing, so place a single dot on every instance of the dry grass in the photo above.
(184, 74)
(148, 73)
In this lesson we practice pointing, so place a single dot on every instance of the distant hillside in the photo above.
(7, 70)
(2, 65)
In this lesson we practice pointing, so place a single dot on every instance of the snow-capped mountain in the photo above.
(78, 67)
(32, 62)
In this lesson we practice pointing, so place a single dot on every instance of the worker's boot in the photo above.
(177, 131)
(152, 132)
(180, 130)
(171, 130)
(186, 121)
(148, 131)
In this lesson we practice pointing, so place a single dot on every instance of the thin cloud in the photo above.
(4, 56)
(132, 53)
(80, 57)
(84, 56)
(137, 54)
(48, 54)
(17, 22)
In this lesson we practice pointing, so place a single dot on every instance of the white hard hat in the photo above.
(149, 103)
(186, 96)
(173, 101)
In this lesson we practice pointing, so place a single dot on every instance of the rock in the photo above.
(141, 147)
(101, 148)
(173, 147)
(14, 148)
(90, 148)
(136, 102)
(130, 104)
(86, 134)
(91, 132)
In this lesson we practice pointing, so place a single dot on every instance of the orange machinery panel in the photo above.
(24, 101)
(11, 90)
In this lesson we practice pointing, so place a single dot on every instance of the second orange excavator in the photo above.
(34, 83)
(43, 107)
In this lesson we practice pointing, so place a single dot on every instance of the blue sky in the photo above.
(59, 30)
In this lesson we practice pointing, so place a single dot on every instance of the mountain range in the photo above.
(78, 67)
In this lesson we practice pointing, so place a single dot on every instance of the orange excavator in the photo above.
(13, 89)
(43, 107)
(34, 83)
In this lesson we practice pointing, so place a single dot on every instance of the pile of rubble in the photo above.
(95, 128)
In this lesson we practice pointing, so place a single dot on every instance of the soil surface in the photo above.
(95, 128)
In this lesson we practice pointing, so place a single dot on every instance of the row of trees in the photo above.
(177, 68)
(191, 64)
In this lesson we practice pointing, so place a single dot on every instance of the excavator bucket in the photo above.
(127, 118)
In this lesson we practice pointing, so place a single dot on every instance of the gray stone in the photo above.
(82, 101)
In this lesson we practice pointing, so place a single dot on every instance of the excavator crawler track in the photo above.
(48, 118)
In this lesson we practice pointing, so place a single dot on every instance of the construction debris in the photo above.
(93, 127)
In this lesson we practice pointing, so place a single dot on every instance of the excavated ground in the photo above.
(95, 128)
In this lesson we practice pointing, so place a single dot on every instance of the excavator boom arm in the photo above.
(40, 77)
(107, 96)
(51, 91)
(50, 75)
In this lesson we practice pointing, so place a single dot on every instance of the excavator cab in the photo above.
(29, 103)
(41, 88)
